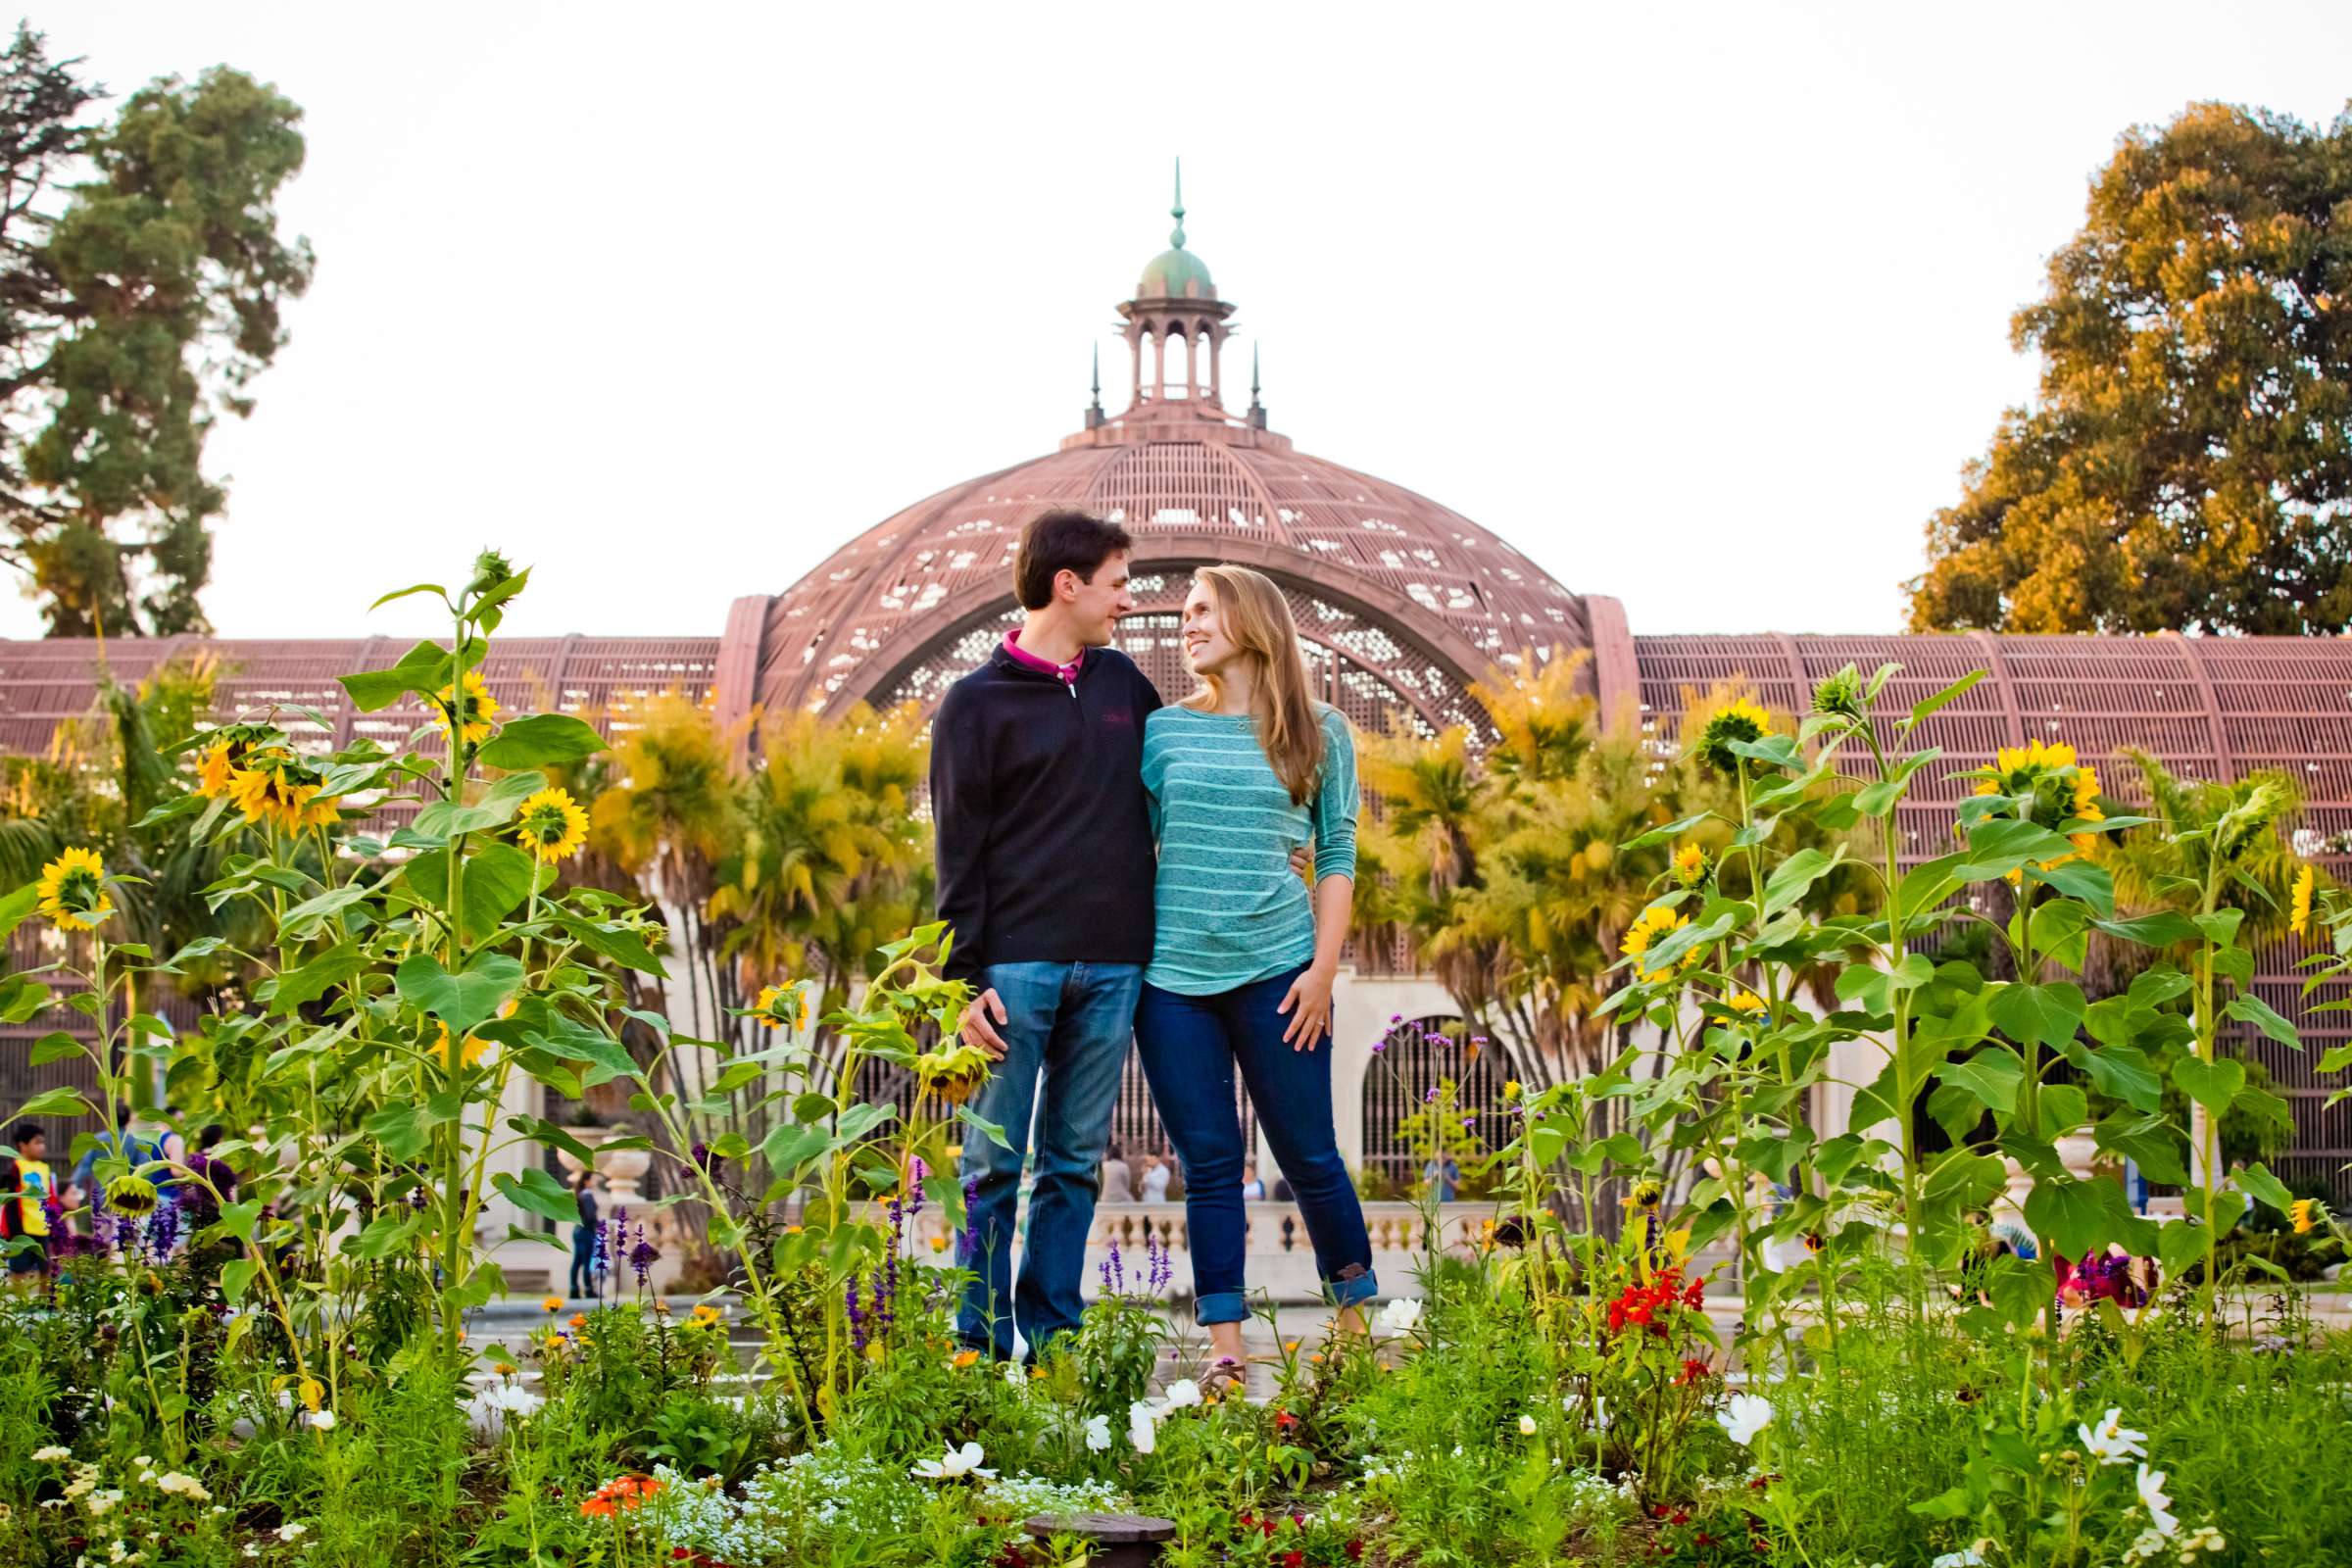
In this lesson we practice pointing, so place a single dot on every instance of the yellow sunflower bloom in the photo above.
(552, 825)
(952, 1074)
(476, 1046)
(2306, 1213)
(478, 713)
(1653, 925)
(1690, 866)
(785, 1007)
(72, 891)
(214, 772)
(1746, 1002)
(2299, 914)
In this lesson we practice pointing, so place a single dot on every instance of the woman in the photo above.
(581, 1284)
(1240, 773)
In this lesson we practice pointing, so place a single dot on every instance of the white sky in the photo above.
(1701, 306)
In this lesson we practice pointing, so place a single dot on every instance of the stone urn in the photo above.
(623, 1169)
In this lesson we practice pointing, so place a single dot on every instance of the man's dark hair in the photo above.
(25, 1132)
(212, 1133)
(1067, 540)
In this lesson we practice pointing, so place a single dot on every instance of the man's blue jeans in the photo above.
(1190, 1046)
(1068, 1024)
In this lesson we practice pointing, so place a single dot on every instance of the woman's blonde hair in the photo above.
(1258, 619)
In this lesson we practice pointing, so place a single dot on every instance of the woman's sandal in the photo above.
(1224, 1377)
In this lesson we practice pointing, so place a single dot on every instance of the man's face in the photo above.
(34, 1148)
(1096, 606)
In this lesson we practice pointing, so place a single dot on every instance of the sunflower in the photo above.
(475, 1046)
(952, 1074)
(552, 825)
(1690, 866)
(477, 712)
(1746, 1002)
(2054, 788)
(2306, 1213)
(226, 751)
(213, 771)
(72, 891)
(2087, 805)
(1654, 923)
(131, 1195)
(277, 786)
(1741, 720)
(785, 1007)
(2299, 915)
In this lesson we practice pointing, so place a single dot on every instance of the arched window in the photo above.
(1173, 348)
(1430, 1076)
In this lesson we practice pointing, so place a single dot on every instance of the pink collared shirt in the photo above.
(1068, 672)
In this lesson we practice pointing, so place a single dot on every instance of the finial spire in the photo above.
(1254, 373)
(1177, 212)
(1097, 372)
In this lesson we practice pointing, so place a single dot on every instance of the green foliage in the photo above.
(2184, 466)
(145, 281)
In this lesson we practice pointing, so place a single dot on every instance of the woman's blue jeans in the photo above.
(1190, 1046)
(1067, 1028)
(582, 1282)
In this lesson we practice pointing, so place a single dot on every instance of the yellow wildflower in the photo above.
(1510, 1089)
(551, 1304)
(966, 1359)
(552, 825)
(72, 891)
(2299, 918)
(478, 713)
(1654, 924)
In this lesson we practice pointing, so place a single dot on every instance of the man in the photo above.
(1118, 1178)
(25, 1183)
(1045, 864)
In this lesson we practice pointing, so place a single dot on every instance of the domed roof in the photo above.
(1176, 273)
(1404, 601)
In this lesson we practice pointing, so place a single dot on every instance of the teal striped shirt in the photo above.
(1228, 907)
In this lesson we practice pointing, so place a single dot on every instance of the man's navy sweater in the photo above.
(1045, 833)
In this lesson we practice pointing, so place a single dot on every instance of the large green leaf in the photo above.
(2149, 1141)
(444, 820)
(17, 906)
(1928, 704)
(791, 1144)
(607, 939)
(2257, 1180)
(498, 878)
(312, 980)
(1990, 1077)
(463, 999)
(2159, 930)
(1793, 877)
(2004, 845)
(2211, 1084)
(2119, 1072)
(539, 740)
(2258, 1012)
(307, 919)
(2083, 1217)
(1671, 830)
(423, 669)
(2044, 1015)
(537, 1192)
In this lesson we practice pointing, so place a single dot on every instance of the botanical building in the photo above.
(1403, 604)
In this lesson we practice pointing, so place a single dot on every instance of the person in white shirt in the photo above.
(1155, 1179)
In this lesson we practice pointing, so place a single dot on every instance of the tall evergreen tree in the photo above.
(141, 278)
(2188, 461)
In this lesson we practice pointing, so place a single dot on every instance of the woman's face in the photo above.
(1207, 648)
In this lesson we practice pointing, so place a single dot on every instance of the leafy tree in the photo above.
(2188, 461)
(141, 278)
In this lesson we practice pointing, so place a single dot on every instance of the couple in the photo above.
(1114, 869)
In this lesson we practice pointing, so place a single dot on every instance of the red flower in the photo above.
(1284, 1420)
(1640, 1315)
(1692, 1371)
(1356, 1551)
(1680, 1517)
(1293, 1559)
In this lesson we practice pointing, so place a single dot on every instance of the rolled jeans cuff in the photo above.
(1350, 1291)
(1220, 1306)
